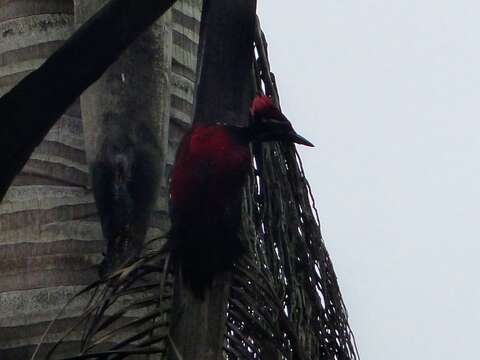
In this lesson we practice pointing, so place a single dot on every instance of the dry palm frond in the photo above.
(128, 312)
(285, 302)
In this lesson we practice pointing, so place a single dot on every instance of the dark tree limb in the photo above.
(33, 106)
(224, 86)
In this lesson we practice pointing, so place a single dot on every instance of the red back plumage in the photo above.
(205, 202)
(208, 166)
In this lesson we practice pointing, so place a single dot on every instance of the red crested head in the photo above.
(263, 107)
(269, 124)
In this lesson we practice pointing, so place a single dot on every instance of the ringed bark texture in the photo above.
(48, 248)
(50, 237)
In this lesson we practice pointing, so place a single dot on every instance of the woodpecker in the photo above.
(210, 169)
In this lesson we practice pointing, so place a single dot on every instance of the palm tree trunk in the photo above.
(50, 238)
(48, 248)
(151, 85)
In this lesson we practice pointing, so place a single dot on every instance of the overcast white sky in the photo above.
(389, 93)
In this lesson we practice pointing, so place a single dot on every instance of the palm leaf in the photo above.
(128, 311)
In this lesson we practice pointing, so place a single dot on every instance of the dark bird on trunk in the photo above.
(211, 167)
(125, 179)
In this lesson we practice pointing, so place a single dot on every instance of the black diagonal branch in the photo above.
(31, 108)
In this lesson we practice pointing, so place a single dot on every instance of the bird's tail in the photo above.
(122, 197)
(115, 204)
(203, 256)
(112, 196)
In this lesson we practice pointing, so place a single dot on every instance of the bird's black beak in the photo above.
(271, 129)
(294, 137)
(298, 139)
